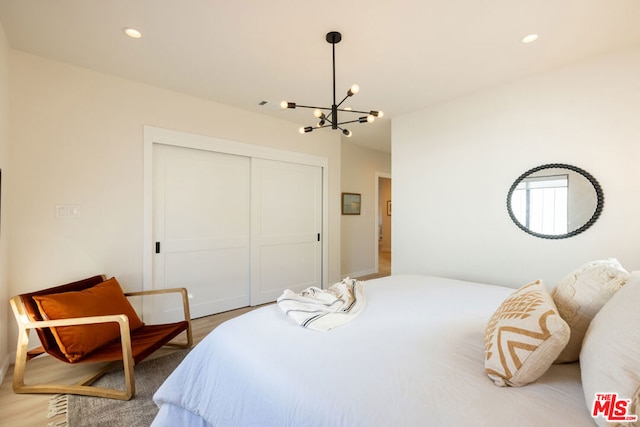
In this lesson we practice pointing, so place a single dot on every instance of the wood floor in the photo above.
(30, 410)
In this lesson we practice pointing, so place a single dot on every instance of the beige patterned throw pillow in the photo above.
(581, 294)
(523, 337)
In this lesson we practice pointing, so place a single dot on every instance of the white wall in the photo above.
(77, 138)
(358, 232)
(453, 165)
(4, 246)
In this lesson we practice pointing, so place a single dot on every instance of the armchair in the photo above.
(86, 321)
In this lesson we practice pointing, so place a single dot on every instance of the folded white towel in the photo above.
(323, 309)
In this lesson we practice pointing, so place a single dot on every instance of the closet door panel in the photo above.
(234, 229)
(202, 226)
(286, 226)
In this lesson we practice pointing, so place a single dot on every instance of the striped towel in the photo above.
(323, 309)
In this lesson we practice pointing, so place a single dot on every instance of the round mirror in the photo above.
(555, 201)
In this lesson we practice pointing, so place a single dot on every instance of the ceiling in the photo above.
(405, 55)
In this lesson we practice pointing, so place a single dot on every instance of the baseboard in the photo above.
(361, 273)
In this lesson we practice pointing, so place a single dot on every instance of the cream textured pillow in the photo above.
(580, 294)
(610, 356)
(523, 337)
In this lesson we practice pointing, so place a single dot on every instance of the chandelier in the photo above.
(328, 116)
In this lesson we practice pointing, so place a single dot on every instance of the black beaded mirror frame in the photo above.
(588, 176)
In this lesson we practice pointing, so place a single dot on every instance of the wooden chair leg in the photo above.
(83, 387)
(21, 359)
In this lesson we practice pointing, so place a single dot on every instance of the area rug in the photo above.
(140, 411)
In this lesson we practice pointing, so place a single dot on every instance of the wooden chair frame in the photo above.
(83, 387)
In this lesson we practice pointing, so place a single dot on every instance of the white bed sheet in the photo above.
(414, 357)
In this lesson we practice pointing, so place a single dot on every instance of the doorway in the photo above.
(384, 224)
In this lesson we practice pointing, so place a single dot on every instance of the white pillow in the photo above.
(580, 294)
(610, 356)
(524, 336)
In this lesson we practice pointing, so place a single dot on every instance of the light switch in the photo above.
(68, 211)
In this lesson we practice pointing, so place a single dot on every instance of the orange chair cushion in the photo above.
(106, 298)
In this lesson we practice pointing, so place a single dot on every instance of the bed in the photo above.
(413, 357)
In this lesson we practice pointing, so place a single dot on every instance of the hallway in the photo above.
(384, 266)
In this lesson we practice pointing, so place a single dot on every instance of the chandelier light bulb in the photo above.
(347, 132)
(132, 32)
(286, 104)
(353, 90)
(317, 113)
(370, 118)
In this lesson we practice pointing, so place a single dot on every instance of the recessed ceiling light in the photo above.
(530, 38)
(132, 32)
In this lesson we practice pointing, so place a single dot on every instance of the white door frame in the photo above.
(377, 202)
(154, 135)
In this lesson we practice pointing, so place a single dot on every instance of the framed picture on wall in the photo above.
(388, 207)
(350, 204)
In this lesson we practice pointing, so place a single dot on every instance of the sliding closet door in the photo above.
(201, 226)
(286, 228)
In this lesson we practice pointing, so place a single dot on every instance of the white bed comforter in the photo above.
(413, 357)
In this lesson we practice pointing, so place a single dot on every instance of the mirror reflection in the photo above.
(555, 201)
